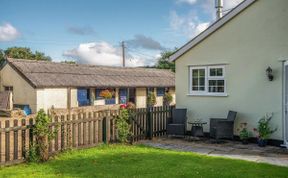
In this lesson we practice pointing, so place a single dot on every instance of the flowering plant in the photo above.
(107, 94)
(264, 130)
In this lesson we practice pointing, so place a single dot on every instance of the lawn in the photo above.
(140, 161)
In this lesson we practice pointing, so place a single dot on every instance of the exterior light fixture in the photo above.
(269, 74)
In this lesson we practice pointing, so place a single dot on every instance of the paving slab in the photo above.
(229, 149)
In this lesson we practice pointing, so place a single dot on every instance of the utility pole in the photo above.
(123, 53)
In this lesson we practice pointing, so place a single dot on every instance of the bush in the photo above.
(264, 130)
(39, 150)
(123, 127)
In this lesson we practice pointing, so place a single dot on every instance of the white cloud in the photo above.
(189, 25)
(8, 32)
(191, 2)
(103, 53)
(228, 4)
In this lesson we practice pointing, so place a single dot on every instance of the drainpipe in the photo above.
(219, 9)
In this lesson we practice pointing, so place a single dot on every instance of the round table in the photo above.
(197, 129)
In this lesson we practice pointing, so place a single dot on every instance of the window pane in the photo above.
(219, 72)
(202, 88)
(195, 81)
(221, 89)
(202, 81)
(195, 88)
(195, 73)
(212, 82)
(202, 72)
(212, 72)
(216, 86)
(220, 83)
(216, 72)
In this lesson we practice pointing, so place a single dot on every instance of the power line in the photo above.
(140, 53)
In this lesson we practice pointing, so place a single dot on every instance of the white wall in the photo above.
(252, 41)
(141, 98)
(48, 97)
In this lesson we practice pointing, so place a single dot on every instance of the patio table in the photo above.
(197, 129)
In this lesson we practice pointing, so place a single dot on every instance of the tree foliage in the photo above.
(25, 53)
(163, 61)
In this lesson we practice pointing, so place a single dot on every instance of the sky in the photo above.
(91, 31)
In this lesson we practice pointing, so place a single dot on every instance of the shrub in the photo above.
(243, 132)
(264, 130)
(122, 125)
(39, 150)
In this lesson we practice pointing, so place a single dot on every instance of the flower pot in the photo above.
(262, 142)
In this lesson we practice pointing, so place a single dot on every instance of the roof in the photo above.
(4, 100)
(44, 74)
(211, 29)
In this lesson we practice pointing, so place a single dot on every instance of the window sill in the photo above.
(208, 94)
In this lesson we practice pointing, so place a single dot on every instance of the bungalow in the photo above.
(41, 85)
(239, 63)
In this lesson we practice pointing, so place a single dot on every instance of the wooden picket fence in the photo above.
(77, 128)
(149, 122)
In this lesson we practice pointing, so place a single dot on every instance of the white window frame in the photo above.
(207, 78)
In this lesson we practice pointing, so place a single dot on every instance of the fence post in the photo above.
(104, 130)
(149, 123)
(108, 128)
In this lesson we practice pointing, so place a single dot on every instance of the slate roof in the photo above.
(43, 74)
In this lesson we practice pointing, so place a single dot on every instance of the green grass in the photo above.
(140, 161)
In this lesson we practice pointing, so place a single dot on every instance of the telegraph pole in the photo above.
(123, 53)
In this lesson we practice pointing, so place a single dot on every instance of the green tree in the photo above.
(164, 63)
(25, 53)
(2, 56)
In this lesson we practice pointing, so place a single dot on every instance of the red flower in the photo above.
(123, 106)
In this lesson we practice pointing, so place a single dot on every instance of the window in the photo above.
(8, 88)
(160, 91)
(208, 80)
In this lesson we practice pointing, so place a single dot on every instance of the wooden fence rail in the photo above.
(81, 129)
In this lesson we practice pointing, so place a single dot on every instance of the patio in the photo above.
(230, 149)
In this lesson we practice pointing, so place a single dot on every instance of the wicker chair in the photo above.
(223, 128)
(176, 125)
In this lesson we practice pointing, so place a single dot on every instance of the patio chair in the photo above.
(221, 128)
(176, 125)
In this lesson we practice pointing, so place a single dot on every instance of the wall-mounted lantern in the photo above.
(269, 74)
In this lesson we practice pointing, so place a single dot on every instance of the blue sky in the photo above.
(90, 31)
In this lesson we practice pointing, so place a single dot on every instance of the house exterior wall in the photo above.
(23, 92)
(48, 97)
(74, 101)
(247, 45)
(141, 95)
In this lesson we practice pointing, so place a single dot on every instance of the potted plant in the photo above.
(167, 99)
(243, 133)
(107, 94)
(264, 130)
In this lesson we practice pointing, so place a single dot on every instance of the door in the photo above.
(285, 103)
